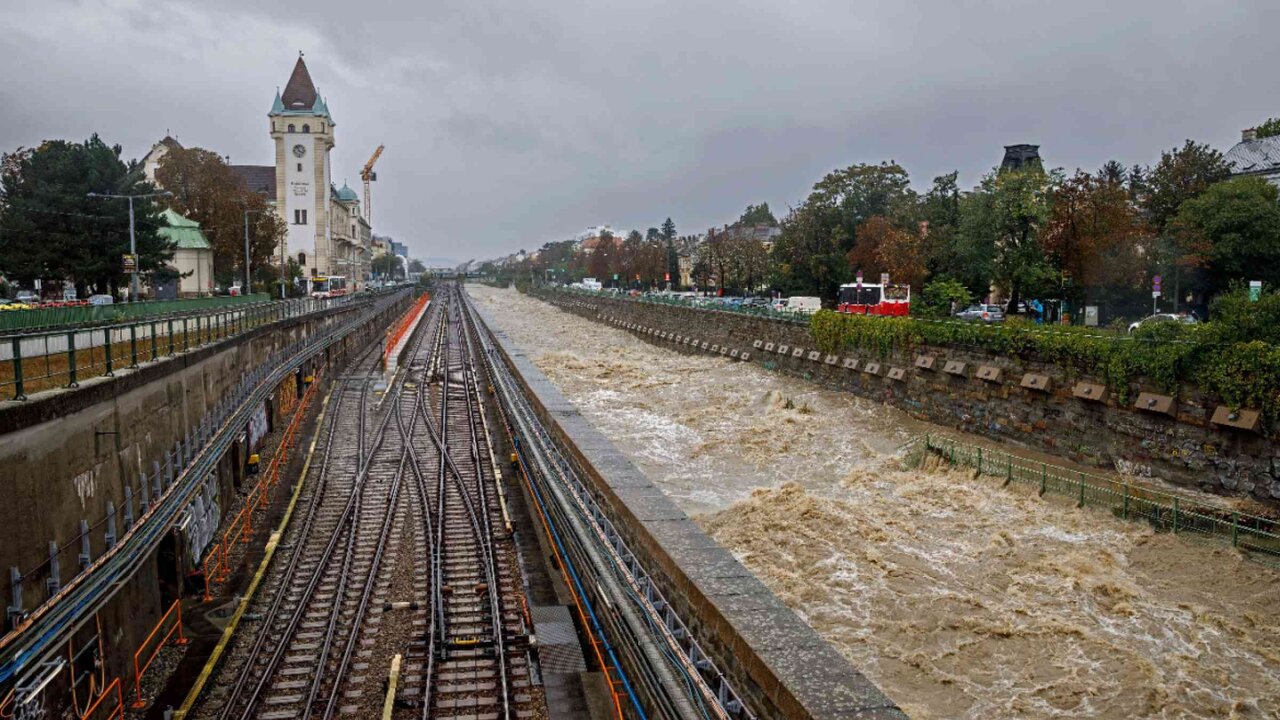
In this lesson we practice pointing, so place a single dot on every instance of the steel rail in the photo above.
(634, 588)
(295, 618)
(87, 592)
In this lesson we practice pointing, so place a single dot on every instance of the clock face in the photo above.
(299, 150)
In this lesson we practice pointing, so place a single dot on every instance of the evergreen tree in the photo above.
(668, 230)
(51, 229)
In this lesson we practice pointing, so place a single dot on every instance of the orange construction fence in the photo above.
(217, 562)
(175, 610)
(113, 711)
(403, 326)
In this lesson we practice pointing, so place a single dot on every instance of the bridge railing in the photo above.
(1183, 515)
(31, 362)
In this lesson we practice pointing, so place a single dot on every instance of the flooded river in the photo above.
(961, 599)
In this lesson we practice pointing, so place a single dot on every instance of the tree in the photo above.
(939, 214)
(1000, 231)
(668, 229)
(208, 191)
(1182, 174)
(387, 266)
(941, 297)
(1269, 128)
(758, 215)
(812, 253)
(51, 229)
(1095, 236)
(1236, 225)
(416, 266)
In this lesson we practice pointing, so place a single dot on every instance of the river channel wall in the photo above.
(1184, 438)
(780, 666)
(64, 455)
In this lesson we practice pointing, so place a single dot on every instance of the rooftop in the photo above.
(183, 232)
(1256, 156)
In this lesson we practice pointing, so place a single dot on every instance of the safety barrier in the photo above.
(32, 362)
(174, 609)
(217, 562)
(114, 712)
(403, 326)
(1259, 537)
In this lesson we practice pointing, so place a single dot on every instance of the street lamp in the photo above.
(133, 240)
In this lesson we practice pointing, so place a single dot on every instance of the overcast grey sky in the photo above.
(508, 124)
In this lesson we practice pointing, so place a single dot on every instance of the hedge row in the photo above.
(1242, 374)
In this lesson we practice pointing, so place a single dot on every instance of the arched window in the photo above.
(306, 128)
(291, 129)
(302, 259)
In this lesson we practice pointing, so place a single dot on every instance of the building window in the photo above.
(306, 128)
(302, 259)
(299, 217)
(299, 167)
(291, 128)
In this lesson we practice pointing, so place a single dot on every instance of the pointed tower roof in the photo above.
(277, 107)
(321, 107)
(299, 92)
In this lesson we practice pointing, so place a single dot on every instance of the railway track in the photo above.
(403, 548)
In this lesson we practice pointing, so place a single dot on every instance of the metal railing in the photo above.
(42, 318)
(111, 549)
(31, 362)
(1181, 515)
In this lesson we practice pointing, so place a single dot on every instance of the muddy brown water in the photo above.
(960, 598)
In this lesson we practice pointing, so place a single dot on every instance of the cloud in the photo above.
(508, 124)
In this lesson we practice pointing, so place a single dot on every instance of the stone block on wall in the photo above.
(1091, 392)
(1153, 403)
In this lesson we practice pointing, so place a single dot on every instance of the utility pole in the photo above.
(134, 289)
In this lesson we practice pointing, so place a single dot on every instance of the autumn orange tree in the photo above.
(1097, 238)
(208, 191)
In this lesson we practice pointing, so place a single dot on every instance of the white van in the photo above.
(591, 284)
(806, 304)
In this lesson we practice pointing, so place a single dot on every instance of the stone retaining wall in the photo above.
(1038, 405)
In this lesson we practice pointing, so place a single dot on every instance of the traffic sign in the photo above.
(1155, 283)
(130, 263)
(1255, 290)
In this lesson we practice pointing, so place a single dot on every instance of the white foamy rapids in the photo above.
(960, 598)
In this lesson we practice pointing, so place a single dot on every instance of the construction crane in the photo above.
(367, 174)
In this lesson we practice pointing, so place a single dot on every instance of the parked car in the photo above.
(27, 297)
(1163, 318)
(780, 304)
(985, 313)
(755, 302)
(101, 300)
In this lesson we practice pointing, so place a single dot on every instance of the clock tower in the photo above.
(303, 133)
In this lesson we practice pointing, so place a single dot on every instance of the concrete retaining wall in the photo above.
(65, 455)
(1182, 444)
(776, 661)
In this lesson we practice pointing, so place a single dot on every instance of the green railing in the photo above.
(35, 361)
(56, 317)
(1181, 515)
